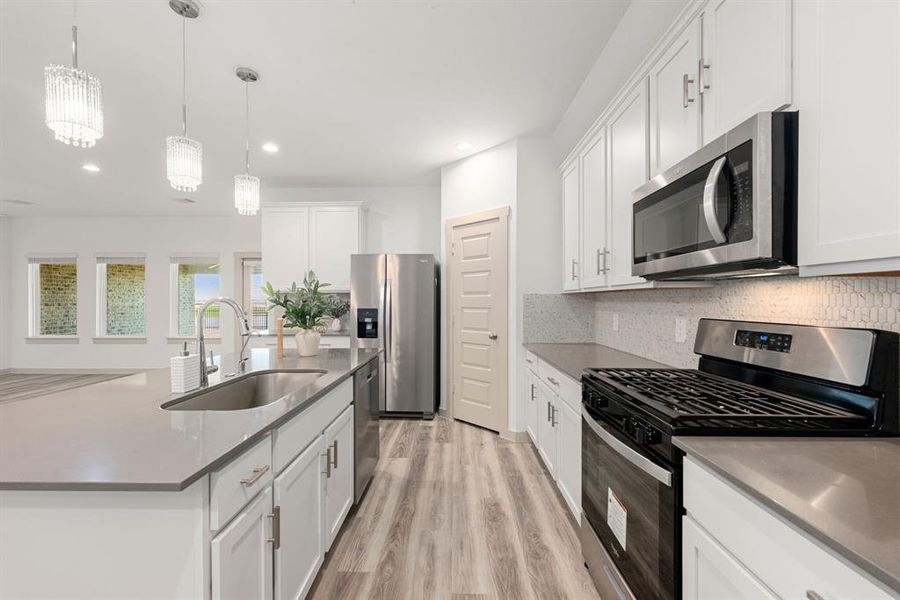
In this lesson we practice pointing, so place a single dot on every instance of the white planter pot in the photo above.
(336, 325)
(308, 342)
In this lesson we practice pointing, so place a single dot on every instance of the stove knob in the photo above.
(645, 435)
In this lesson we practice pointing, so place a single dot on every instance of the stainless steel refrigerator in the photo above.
(394, 306)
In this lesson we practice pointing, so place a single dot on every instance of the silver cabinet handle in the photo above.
(529, 361)
(685, 97)
(492, 336)
(532, 392)
(599, 254)
(258, 472)
(713, 223)
(275, 515)
(811, 595)
(553, 420)
(605, 254)
(553, 381)
(573, 269)
(328, 462)
(335, 455)
(702, 68)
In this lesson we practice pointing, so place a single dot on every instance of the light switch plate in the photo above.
(680, 330)
(615, 321)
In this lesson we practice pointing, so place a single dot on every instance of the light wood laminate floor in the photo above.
(21, 387)
(455, 512)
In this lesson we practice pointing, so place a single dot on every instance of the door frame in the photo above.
(502, 215)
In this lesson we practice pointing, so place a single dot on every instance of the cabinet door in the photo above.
(593, 213)
(334, 233)
(569, 461)
(300, 498)
(339, 475)
(746, 65)
(626, 170)
(241, 555)
(847, 72)
(571, 226)
(710, 572)
(531, 405)
(547, 438)
(285, 242)
(674, 102)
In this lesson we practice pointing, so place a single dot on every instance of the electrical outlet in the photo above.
(615, 321)
(680, 330)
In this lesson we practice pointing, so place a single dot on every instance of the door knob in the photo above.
(492, 336)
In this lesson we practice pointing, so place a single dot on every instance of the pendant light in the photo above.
(246, 186)
(184, 156)
(73, 99)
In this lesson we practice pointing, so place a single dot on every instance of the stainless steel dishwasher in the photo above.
(367, 386)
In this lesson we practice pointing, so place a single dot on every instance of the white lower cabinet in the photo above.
(553, 422)
(299, 494)
(241, 555)
(338, 474)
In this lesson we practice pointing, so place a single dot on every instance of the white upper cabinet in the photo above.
(848, 93)
(746, 65)
(334, 234)
(595, 250)
(297, 238)
(675, 101)
(285, 252)
(626, 170)
(571, 226)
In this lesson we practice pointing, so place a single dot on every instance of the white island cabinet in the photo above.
(257, 527)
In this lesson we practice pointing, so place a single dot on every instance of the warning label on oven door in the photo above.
(616, 516)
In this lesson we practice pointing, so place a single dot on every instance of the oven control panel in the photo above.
(761, 340)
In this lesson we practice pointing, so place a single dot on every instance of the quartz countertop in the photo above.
(114, 435)
(573, 359)
(844, 492)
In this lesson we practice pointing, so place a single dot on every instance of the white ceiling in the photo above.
(365, 93)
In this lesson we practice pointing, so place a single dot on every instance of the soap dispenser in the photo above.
(185, 371)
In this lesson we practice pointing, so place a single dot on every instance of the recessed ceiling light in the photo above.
(463, 146)
(270, 147)
(90, 167)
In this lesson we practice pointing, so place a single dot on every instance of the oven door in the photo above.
(630, 502)
(714, 208)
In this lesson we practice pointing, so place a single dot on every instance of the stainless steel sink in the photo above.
(249, 391)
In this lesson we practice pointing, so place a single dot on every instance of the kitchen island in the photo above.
(104, 494)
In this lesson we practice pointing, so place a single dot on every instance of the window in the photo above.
(53, 296)
(254, 301)
(120, 296)
(194, 281)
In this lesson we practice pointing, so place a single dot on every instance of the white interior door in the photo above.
(674, 102)
(478, 319)
(241, 555)
(300, 499)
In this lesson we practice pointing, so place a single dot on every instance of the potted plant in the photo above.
(305, 309)
(337, 308)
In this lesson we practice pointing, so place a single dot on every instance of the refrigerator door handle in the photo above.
(387, 320)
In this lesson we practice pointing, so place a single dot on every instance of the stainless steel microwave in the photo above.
(728, 210)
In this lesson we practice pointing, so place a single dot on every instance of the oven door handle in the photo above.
(715, 226)
(662, 475)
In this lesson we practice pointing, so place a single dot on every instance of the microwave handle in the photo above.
(709, 202)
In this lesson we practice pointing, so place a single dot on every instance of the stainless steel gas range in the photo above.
(753, 379)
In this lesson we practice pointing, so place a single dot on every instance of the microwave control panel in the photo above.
(761, 340)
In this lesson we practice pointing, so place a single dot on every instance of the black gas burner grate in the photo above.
(693, 396)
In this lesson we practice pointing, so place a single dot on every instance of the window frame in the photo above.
(245, 295)
(33, 266)
(101, 261)
(174, 261)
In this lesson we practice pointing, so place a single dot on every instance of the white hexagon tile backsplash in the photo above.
(646, 318)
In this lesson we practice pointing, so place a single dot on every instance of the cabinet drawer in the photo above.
(786, 560)
(564, 386)
(295, 435)
(234, 485)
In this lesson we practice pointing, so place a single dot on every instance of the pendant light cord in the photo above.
(183, 78)
(247, 142)
(74, 34)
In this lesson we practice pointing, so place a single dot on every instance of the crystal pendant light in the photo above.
(73, 100)
(246, 186)
(184, 156)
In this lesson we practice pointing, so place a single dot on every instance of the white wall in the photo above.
(520, 174)
(641, 27)
(5, 293)
(158, 238)
(398, 219)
